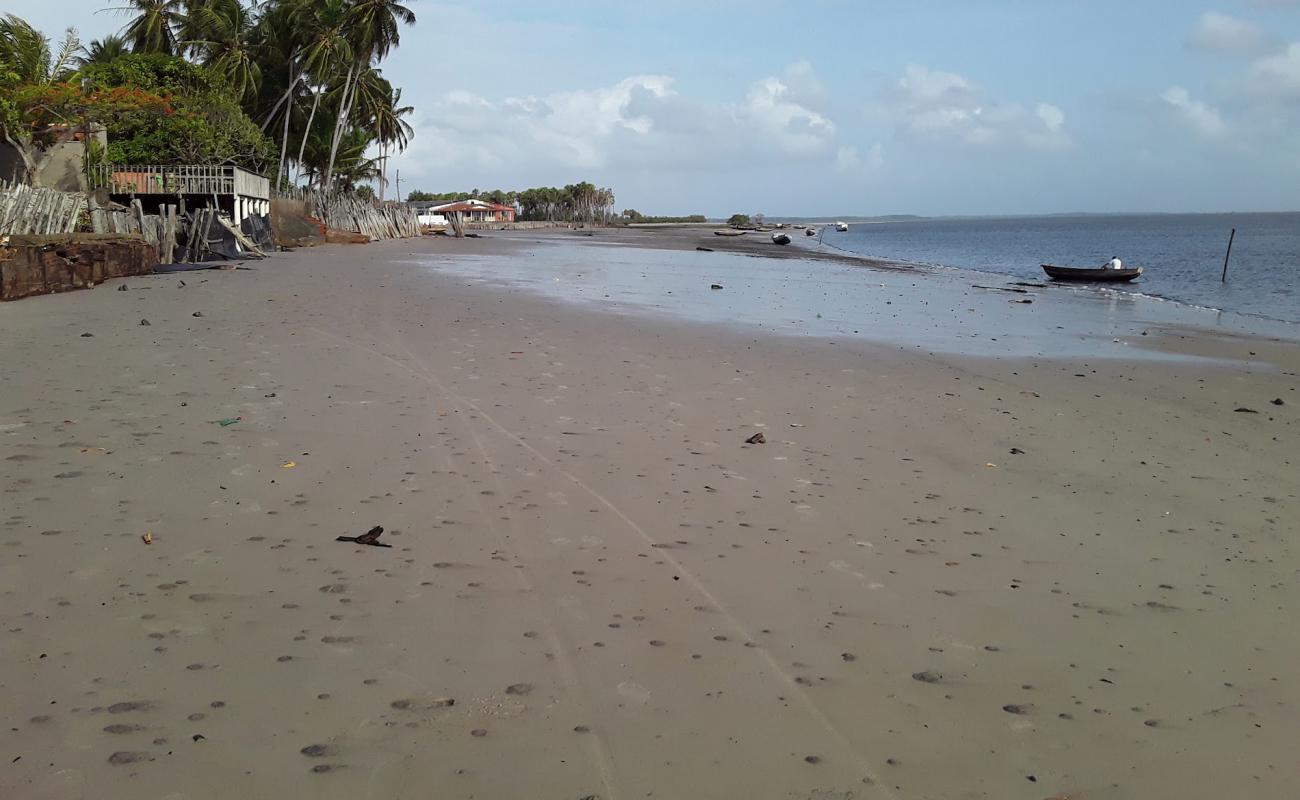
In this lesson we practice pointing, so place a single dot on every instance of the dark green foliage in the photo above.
(207, 126)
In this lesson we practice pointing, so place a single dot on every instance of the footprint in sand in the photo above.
(634, 692)
(847, 568)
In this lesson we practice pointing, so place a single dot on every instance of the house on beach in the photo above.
(237, 193)
(434, 214)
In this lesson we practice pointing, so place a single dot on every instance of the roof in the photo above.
(469, 205)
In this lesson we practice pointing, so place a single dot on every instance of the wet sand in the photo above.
(942, 576)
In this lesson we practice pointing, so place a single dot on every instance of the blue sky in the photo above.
(839, 108)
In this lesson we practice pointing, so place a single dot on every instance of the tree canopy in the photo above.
(204, 123)
(576, 202)
(292, 88)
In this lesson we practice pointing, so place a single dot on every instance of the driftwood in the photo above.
(244, 241)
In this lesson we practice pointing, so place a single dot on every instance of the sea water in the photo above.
(1182, 253)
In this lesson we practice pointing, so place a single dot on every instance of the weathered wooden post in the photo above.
(1228, 255)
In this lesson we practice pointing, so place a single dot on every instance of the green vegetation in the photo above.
(578, 202)
(739, 221)
(288, 87)
(633, 217)
(204, 123)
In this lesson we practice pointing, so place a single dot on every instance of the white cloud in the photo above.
(848, 159)
(794, 128)
(641, 122)
(804, 86)
(1204, 118)
(1278, 75)
(943, 106)
(1222, 33)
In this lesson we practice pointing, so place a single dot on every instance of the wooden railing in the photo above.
(173, 179)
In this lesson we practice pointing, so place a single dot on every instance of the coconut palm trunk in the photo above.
(302, 145)
(282, 171)
(341, 121)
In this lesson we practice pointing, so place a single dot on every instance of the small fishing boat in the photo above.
(1091, 274)
(841, 226)
(810, 232)
(731, 232)
(780, 238)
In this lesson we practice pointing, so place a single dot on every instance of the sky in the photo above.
(838, 108)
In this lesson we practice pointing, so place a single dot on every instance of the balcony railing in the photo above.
(199, 179)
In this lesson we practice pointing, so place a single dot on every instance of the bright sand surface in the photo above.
(944, 575)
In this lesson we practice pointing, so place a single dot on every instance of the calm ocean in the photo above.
(1182, 253)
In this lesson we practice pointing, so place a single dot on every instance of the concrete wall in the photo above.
(59, 167)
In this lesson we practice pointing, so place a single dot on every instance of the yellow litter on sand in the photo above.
(147, 538)
(289, 464)
(994, 466)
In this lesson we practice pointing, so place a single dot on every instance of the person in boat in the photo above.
(1114, 263)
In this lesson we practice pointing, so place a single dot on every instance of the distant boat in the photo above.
(732, 232)
(780, 238)
(1101, 275)
(810, 232)
(841, 226)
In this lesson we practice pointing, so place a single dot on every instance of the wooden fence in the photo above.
(192, 236)
(348, 213)
(26, 210)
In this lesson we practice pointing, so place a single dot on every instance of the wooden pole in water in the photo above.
(1228, 255)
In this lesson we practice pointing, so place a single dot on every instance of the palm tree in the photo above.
(377, 24)
(380, 106)
(374, 28)
(102, 51)
(25, 53)
(153, 26)
(26, 59)
(352, 166)
(325, 48)
(220, 33)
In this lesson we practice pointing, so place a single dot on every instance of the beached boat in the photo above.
(1091, 273)
(732, 232)
(810, 232)
(841, 226)
(780, 238)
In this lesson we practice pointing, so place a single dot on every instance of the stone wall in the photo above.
(32, 265)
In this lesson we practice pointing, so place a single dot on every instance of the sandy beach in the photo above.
(943, 575)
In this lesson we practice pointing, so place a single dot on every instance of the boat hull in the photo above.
(1091, 275)
(780, 238)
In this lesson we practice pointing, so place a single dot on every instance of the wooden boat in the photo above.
(732, 232)
(780, 238)
(1091, 274)
(841, 226)
(810, 232)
